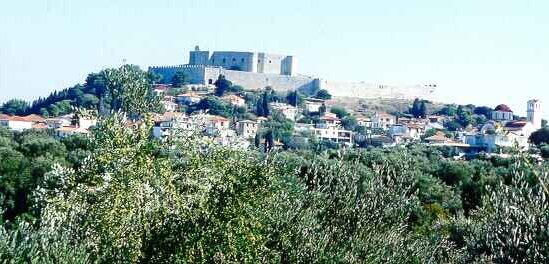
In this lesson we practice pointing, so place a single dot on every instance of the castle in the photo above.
(257, 70)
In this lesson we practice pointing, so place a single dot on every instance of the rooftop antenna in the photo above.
(124, 61)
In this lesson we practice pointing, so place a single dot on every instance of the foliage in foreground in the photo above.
(134, 200)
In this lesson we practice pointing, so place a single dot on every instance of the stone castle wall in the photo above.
(200, 74)
(258, 81)
(371, 90)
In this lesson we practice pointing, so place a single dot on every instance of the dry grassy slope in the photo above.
(368, 106)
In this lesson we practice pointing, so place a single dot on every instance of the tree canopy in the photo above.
(323, 94)
(179, 79)
(15, 107)
(222, 85)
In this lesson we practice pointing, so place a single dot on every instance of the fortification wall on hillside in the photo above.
(372, 91)
(200, 74)
(194, 72)
(257, 81)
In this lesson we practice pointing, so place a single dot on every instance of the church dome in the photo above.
(503, 108)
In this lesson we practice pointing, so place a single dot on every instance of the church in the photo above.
(504, 131)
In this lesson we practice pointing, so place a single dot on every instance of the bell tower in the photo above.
(534, 112)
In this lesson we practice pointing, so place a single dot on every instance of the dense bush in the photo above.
(131, 199)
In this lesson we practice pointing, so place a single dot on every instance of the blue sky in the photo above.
(481, 52)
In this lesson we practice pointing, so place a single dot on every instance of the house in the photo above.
(86, 122)
(364, 122)
(439, 138)
(383, 121)
(188, 98)
(234, 100)
(247, 128)
(416, 130)
(313, 105)
(35, 118)
(40, 126)
(290, 112)
(218, 122)
(169, 106)
(334, 134)
(20, 123)
(434, 125)
(382, 141)
(518, 132)
(400, 133)
(160, 89)
(70, 130)
(329, 121)
(166, 124)
(58, 122)
(211, 125)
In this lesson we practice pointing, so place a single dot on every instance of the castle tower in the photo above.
(198, 57)
(534, 112)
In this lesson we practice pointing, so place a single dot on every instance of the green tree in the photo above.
(295, 98)
(322, 110)
(214, 105)
(179, 79)
(540, 136)
(340, 111)
(130, 91)
(15, 107)
(323, 94)
(415, 110)
(423, 111)
(262, 104)
(222, 85)
(349, 122)
(448, 110)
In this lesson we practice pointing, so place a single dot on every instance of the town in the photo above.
(297, 114)
(308, 119)
(203, 131)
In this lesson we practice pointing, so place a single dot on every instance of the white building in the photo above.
(502, 113)
(534, 113)
(58, 122)
(313, 105)
(70, 130)
(188, 98)
(364, 122)
(290, 112)
(329, 121)
(166, 124)
(334, 134)
(169, 106)
(383, 121)
(247, 128)
(86, 122)
(234, 100)
(20, 123)
(507, 133)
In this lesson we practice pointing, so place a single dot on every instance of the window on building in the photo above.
(242, 60)
(270, 61)
(234, 60)
(224, 60)
(210, 81)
